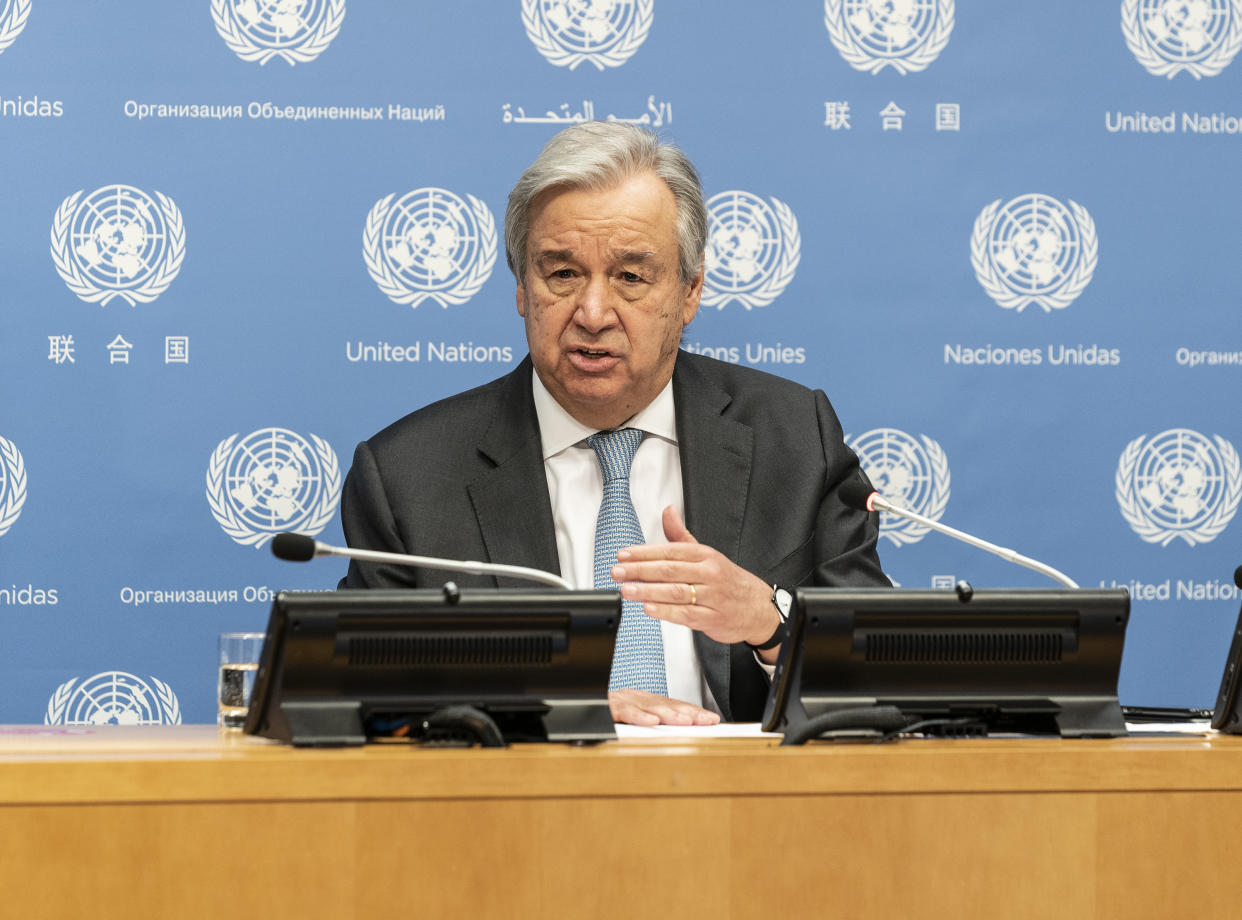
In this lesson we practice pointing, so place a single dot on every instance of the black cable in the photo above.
(884, 723)
(875, 719)
(965, 727)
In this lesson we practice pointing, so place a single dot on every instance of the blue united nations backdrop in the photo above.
(239, 236)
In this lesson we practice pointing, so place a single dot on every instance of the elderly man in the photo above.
(704, 490)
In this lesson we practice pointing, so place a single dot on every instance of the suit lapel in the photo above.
(510, 499)
(716, 461)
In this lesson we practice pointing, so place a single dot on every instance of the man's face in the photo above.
(602, 298)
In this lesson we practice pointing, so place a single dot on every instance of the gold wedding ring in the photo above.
(694, 595)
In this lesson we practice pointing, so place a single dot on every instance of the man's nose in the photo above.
(595, 310)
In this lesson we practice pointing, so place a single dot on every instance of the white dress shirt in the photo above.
(576, 487)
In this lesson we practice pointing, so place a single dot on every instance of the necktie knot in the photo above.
(615, 451)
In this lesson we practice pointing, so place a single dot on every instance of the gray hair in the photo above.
(600, 155)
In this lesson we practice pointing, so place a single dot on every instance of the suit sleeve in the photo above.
(846, 539)
(368, 523)
(836, 546)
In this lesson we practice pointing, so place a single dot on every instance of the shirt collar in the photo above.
(559, 430)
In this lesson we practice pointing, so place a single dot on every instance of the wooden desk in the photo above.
(182, 823)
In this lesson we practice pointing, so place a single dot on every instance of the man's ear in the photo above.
(690, 303)
(521, 300)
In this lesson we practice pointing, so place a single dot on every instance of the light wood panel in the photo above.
(181, 823)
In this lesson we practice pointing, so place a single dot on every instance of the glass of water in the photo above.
(239, 662)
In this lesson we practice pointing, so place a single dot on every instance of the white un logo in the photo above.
(905, 35)
(113, 698)
(13, 15)
(429, 244)
(912, 474)
(12, 484)
(1168, 37)
(118, 242)
(1034, 250)
(753, 250)
(604, 32)
(270, 481)
(294, 30)
(1178, 484)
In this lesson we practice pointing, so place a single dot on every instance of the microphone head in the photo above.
(857, 495)
(293, 547)
(1237, 576)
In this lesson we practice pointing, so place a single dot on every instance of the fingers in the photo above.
(698, 581)
(693, 585)
(680, 552)
(637, 707)
(665, 572)
(726, 602)
(671, 594)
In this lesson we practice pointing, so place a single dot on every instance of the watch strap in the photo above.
(778, 634)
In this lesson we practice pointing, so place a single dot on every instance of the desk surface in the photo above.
(160, 763)
(1132, 827)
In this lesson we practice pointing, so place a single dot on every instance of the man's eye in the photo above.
(564, 274)
(630, 278)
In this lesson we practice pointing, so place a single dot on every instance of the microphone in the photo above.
(297, 547)
(1237, 576)
(863, 498)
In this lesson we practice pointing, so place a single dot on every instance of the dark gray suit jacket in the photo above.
(762, 458)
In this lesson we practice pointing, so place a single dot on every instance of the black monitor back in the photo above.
(341, 667)
(1017, 660)
(1227, 715)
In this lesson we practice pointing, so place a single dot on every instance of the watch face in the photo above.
(783, 601)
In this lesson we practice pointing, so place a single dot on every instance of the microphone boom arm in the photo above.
(875, 502)
(469, 566)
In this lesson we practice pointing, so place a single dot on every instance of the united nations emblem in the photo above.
(905, 35)
(1178, 484)
(429, 244)
(912, 474)
(296, 30)
(1168, 37)
(752, 250)
(113, 698)
(1034, 250)
(271, 481)
(13, 15)
(604, 32)
(12, 484)
(118, 241)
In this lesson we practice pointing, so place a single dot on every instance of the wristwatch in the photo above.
(782, 600)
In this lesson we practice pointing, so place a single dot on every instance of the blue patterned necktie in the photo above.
(638, 661)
